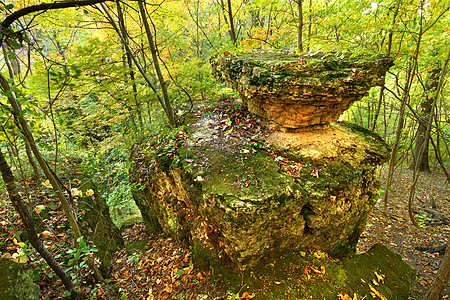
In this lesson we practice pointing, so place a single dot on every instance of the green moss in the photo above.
(16, 283)
(282, 276)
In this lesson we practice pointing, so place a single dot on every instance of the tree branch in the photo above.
(45, 6)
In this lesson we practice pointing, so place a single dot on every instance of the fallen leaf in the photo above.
(375, 282)
(76, 192)
(319, 254)
(277, 282)
(380, 278)
(305, 271)
(168, 288)
(165, 296)
(377, 293)
(38, 208)
(47, 184)
(47, 234)
(247, 296)
(315, 173)
(347, 297)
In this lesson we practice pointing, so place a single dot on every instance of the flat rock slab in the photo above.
(294, 91)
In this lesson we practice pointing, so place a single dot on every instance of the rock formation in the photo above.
(239, 193)
(296, 91)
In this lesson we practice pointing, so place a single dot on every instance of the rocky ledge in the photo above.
(293, 91)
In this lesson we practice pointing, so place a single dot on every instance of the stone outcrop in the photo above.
(250, 200)
(309, 189)
(294, 91)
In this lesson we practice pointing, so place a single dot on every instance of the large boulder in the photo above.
(95, 221)
(293, 91)
(242, 199)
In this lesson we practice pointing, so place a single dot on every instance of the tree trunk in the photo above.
(17, 112)
(167, 108)
(438, 288)
(388, 52)
(424, 113)
(230, 17)
(300, 25)
(309, 25)
(123, 30)
(152, 45)
(28, 223)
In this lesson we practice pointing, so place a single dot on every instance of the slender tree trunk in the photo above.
(17, 112)
(438, 288)
(309, 25)
(425, 109)
(123, 30)
(388, 52)
(153, 50)
(165, 104)
(28, 223)
(427, 132)
(300, 25)
(405, 99)
(231, 18)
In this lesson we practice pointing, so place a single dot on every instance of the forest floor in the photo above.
(158, 268)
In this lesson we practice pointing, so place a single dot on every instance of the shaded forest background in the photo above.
(87, 83)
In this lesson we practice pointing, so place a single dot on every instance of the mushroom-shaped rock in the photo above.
(295, 91)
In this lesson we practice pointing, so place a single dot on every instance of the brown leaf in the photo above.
(165, 296)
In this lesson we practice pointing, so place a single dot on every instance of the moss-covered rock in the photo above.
(309, 189)
(300, 90)
(308, 274)
(95, 221)
(16, 282)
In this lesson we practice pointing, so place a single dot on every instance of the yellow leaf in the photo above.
(305, 271)
(76, 192)
(375, 282)
(47, 184)
(277, 282)
(89, 192)
(39, 208)
(380, 278)
(188, 270)
(377, 293)
(119, 261)
(319, 254)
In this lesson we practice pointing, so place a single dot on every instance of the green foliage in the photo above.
(78, 264)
